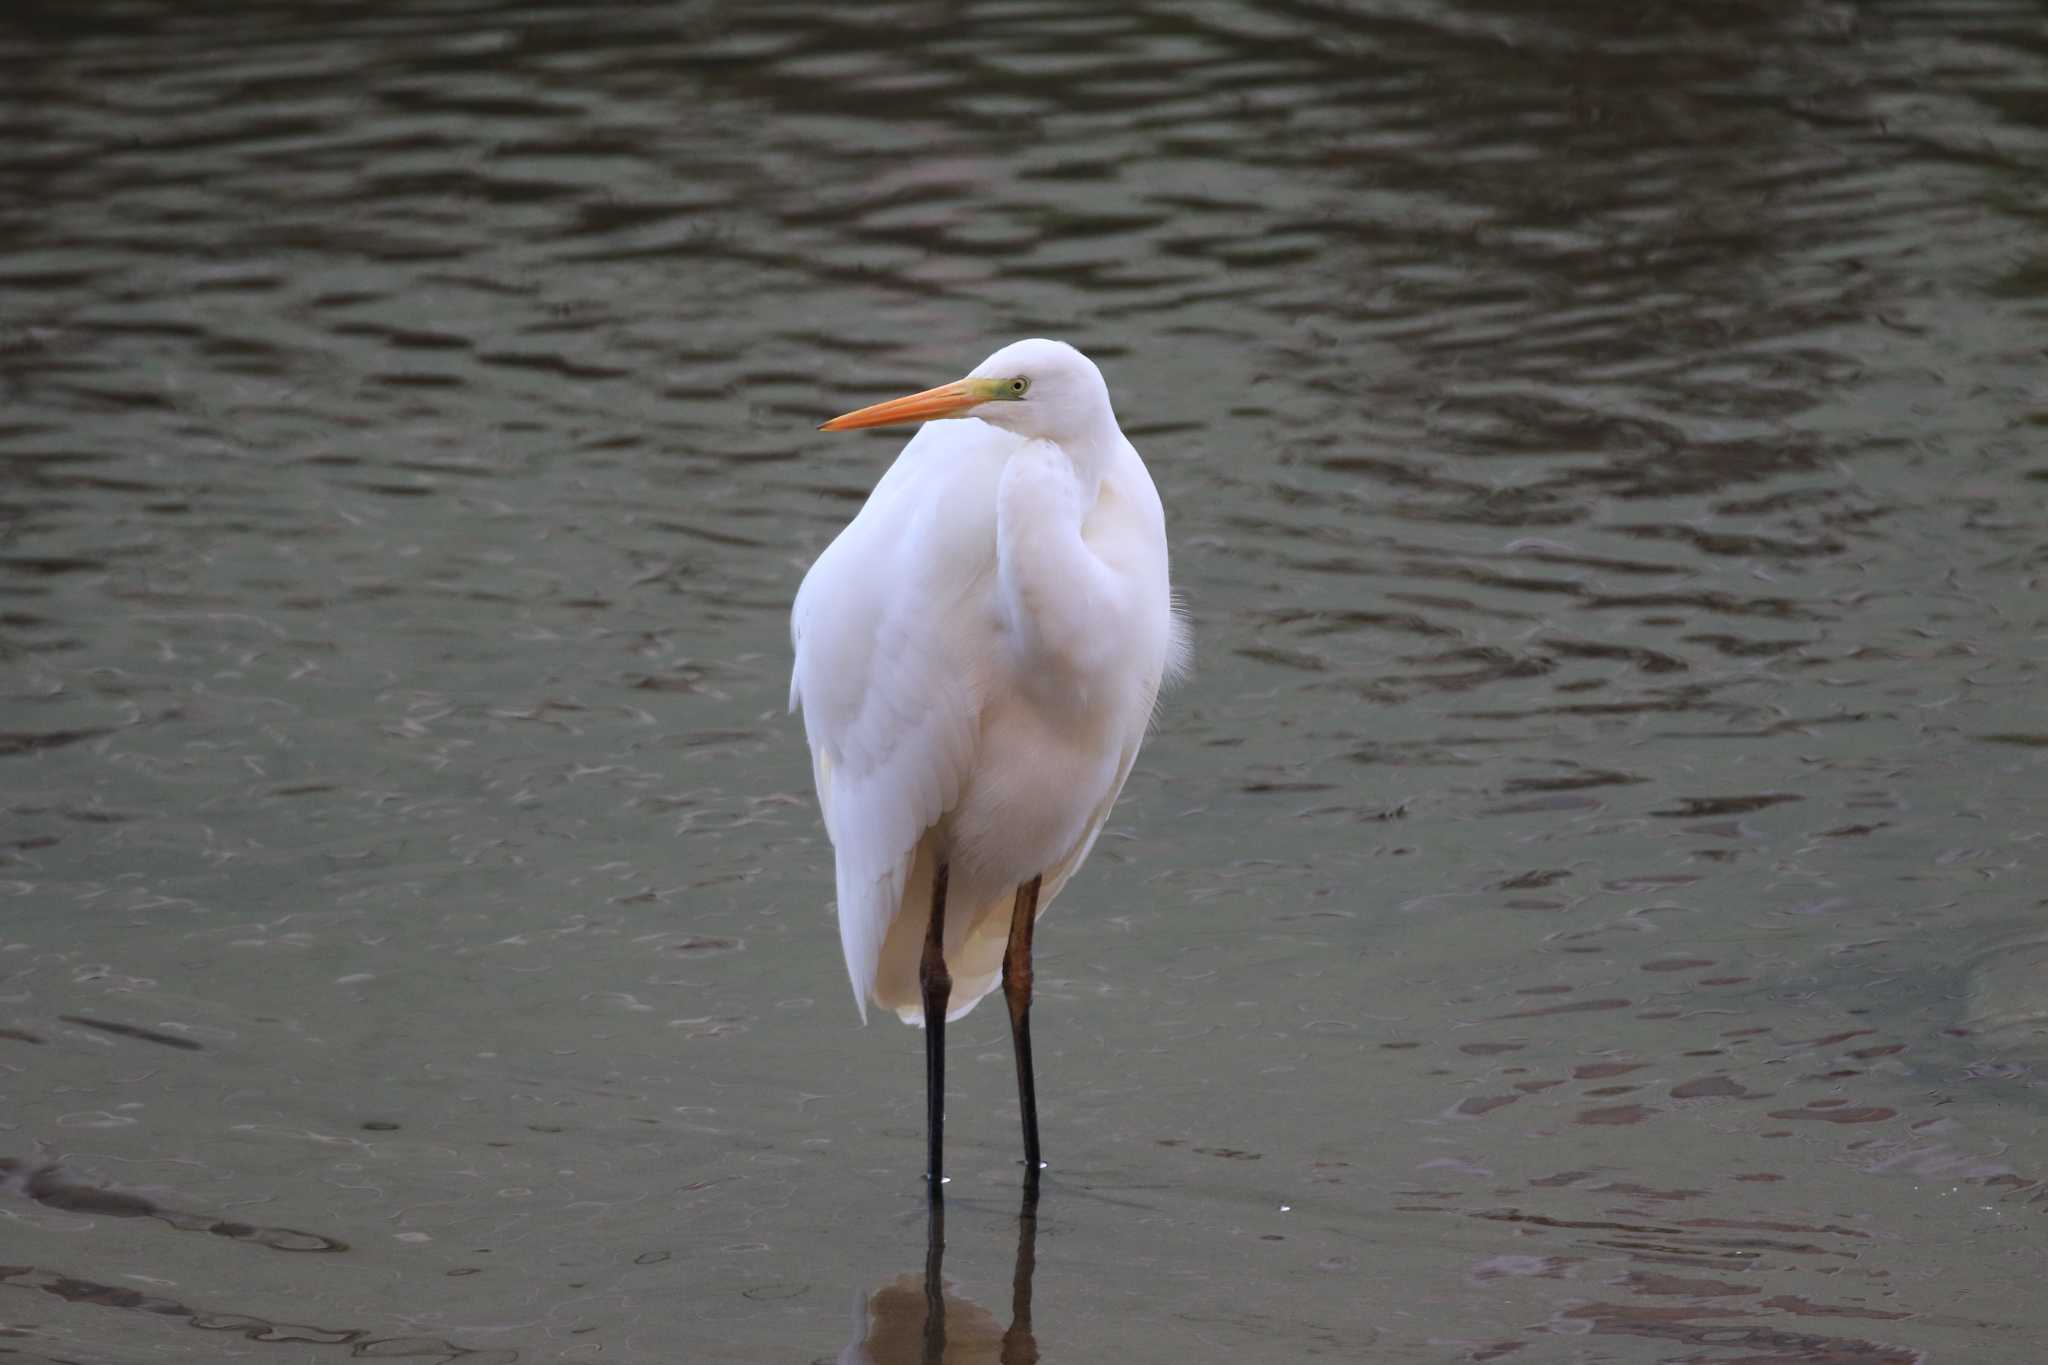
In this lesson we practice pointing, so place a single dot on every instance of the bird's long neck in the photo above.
(1090, 445)
(1054, 587)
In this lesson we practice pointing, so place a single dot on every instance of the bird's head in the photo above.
(1037, 388)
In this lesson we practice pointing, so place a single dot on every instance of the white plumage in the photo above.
(977, 658)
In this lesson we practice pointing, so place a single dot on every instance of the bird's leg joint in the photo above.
(933, 976)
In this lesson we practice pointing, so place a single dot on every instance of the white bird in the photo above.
(977, 658)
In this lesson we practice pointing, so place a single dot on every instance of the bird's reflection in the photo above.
(919, 1322)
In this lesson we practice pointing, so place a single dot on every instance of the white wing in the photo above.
(891, 630)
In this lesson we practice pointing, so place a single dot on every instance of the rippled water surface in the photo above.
(1586, 906)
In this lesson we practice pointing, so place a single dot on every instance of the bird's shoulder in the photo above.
(885, 623)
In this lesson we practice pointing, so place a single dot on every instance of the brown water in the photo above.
(1587, 905)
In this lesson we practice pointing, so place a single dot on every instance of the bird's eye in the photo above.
(1017, 387)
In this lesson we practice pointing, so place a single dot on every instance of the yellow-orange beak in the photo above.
(947, 400)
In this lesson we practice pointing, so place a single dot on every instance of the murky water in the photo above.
(1587, 905)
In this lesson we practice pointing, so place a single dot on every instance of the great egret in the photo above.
(977, 658)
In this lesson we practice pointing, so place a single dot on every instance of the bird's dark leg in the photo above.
(937, 983)
(1017, 993)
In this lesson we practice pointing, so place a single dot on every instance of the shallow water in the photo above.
(1585, 907)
